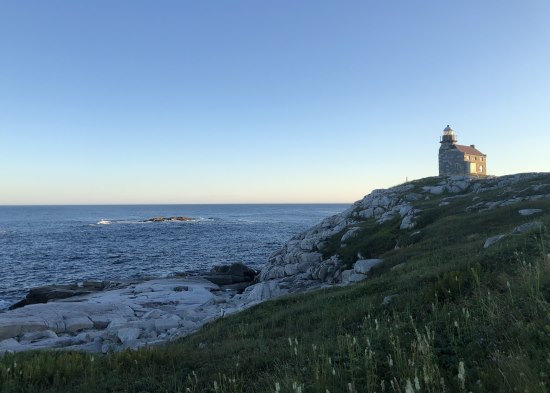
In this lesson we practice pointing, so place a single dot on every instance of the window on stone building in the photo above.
(466, 157)
(481, 168)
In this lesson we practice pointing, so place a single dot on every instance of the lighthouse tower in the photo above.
(449, 138)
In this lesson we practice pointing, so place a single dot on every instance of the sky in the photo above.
(123, 102)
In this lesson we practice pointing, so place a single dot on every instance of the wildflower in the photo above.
(456, 324)
(376, 323)
(277, 387)
(390, 361)
(416, 383)
(409, 388)
(290, 341)
(215, 386)
(333, 371)
(461, 374)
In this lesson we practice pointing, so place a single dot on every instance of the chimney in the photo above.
(474, 146)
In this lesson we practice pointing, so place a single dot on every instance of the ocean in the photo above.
(42, 245)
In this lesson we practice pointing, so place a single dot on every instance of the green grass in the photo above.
(464, 319)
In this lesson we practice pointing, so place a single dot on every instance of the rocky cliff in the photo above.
(347, 247)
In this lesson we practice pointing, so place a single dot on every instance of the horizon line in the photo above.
(174, 204)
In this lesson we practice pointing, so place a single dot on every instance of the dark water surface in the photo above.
(65, 244)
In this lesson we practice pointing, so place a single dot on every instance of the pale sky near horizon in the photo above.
(262, 101)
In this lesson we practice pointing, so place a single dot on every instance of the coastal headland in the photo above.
(346, 248)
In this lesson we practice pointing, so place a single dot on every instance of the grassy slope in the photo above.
(459, 306)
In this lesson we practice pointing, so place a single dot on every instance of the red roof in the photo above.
(469, 150)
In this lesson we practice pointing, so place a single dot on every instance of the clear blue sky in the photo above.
(262, 101)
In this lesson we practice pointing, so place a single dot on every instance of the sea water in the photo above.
(42, 245)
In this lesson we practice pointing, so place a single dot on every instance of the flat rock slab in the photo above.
(529, 212)
(492, 240)
(120, 317)
(363, 266)
(527, 227)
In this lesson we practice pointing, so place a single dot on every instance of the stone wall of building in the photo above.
(451, 162)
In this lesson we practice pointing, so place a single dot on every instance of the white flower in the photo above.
(461, 374)
(416, 383)
(409, 387)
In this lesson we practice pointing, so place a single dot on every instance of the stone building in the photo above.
(458, 159)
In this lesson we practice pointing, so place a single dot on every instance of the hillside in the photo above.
(451, 291)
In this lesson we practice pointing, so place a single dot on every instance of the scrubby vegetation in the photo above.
(442, 314)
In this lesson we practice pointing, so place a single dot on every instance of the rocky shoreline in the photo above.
(110, 316)
(106, 316)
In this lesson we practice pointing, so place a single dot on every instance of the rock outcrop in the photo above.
(143, 314)
(52, 292)
(162, 219)
(313, 259)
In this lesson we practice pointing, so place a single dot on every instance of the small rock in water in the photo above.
(162, 219)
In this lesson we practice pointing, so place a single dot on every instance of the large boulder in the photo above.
(363, 266)
(231, 274)
(50, 292)
(527, 227)
(492, 240)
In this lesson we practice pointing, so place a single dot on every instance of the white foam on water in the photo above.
(4, 304)
(104, 222)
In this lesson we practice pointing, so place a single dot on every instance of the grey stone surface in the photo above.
(350, 276)
(77, 323)
(529, 212)
(387, 299)
(128, 334)
(527, 227)
(492, 240)
(364, 266)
